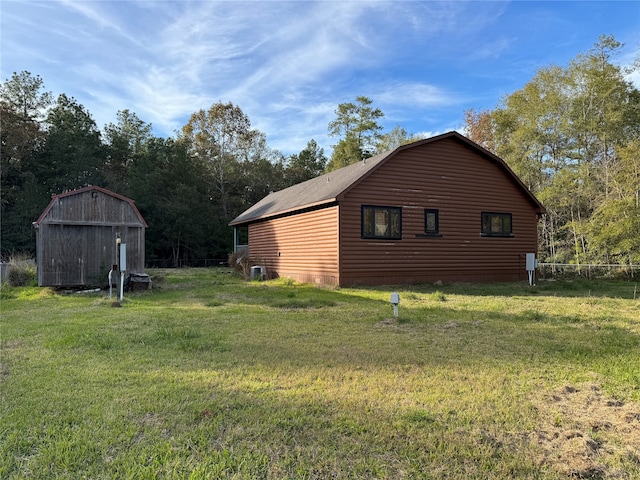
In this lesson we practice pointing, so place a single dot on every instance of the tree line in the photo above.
(187, 188)
(572, 134)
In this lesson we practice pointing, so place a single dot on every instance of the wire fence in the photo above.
(600, 270)
(187, 263)
(545, 270)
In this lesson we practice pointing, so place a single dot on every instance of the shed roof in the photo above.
(55, 198)
(330, 187)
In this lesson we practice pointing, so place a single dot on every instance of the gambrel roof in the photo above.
(55, 199)
(330, 187)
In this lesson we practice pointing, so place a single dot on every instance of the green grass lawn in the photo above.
(208, 376)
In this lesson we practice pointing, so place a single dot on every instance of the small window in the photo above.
(382, 222)
(431, 223)
(496, 224)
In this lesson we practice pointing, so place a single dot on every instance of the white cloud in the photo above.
(630, 62)
(417, 94)
(634, 78)
(269, 62)
(287, 64)
(100, 18)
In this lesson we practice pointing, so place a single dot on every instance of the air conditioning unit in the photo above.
(258, 272)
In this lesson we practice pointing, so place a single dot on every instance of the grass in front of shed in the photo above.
(211, 377)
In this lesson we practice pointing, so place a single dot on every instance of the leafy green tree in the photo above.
(261, 171)
(125, 141)
(239, 166)
(562, 133)
(22, 95)
(308, 164)
(73, 152)
(169, 187)
(23, 106)
(397, 137)
(356, 124)
(614, 228)
(220, 137)
(604, 111)
(345, 152)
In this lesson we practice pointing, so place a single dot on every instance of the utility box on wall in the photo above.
(531, 264)
(123, 257)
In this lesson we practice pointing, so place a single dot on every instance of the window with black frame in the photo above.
(381, 222)
(496, 224)
(431, 221)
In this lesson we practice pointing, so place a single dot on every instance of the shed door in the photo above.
(77, 255)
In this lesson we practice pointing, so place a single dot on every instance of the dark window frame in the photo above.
(496, 224)
(369, 232)
(435, 231)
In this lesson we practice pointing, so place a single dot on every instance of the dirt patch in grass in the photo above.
(4, 372)
(389, 321)
(457, 324)
(585, 434)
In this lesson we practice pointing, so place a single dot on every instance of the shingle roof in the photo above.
(317, 191)
(328, 187)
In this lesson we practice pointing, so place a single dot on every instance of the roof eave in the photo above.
(282, 213)
(382, 159)
(540, 210)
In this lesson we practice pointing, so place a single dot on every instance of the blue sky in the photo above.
(289, 64)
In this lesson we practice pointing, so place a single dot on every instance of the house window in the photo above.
(496, 224)
(431, 221)
(382, 222)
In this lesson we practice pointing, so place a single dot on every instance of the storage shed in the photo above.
(76, 237)
(442, 208)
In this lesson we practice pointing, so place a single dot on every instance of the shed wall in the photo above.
(81, 255)
(303, 247)
(461, 184)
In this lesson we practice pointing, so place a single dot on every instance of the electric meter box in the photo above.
(123, 257)
(395, 298)
(532, 262)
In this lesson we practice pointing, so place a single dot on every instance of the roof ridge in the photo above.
(326, 188)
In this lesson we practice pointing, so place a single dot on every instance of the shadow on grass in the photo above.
(302, 324)
(267, 380)
(623, 289)
(218, 315)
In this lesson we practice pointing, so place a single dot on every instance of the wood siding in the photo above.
(76, 239)
(461, 183)
(303, 247)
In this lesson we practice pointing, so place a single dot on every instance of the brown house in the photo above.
(76, 237)
(443, 208)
